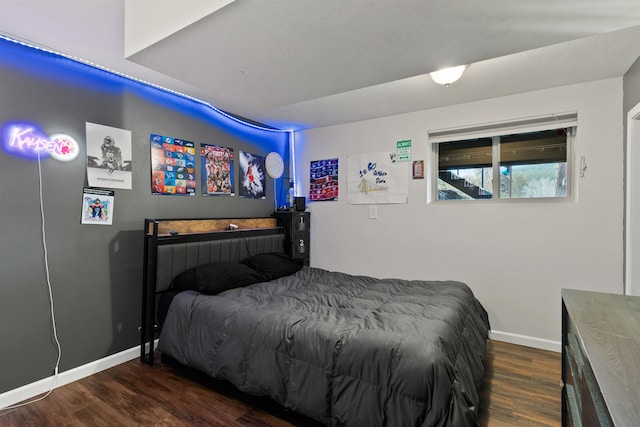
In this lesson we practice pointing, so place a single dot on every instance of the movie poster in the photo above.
(173, 166)
(217, 170)
(97, 206)
(323, 182)
(252, 176)
(108, 157)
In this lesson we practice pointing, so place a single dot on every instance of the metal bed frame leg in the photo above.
(148, 326)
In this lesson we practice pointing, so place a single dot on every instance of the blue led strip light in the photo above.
(139, 85)
(144, 82)
(292, 150)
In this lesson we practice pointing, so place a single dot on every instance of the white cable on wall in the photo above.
(53, 316)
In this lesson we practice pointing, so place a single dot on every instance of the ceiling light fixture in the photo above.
(446, 76)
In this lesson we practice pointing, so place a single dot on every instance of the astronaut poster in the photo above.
(252, 176)
(108, 156)
(97, 206)
(217, 170)
(377, 178)
(173, 166)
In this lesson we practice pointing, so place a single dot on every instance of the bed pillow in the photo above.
(215, 277)
(275, 264)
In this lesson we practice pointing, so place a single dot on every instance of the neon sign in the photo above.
(29, 141)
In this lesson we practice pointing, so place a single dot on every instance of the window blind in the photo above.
(529, 124)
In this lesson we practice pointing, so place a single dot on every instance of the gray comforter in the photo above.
(344, 350)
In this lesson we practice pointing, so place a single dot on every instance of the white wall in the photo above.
(631, 109)
(632, 225)
(515, 256)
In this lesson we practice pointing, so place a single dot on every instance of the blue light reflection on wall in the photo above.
(66, 70)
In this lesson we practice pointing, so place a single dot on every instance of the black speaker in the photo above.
(299, 203)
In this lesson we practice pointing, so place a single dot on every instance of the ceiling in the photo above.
(310, 63)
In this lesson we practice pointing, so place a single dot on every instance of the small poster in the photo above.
(252, 176)
(403, 151)
(173, 166)
(217, 170)
(323, 182)
(108, 156)
(97, 206)
(418, 169)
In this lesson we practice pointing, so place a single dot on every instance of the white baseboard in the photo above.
(527, 341)
(37, 388)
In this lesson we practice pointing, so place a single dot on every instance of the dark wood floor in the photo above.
(521, 387)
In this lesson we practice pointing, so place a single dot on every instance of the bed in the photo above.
(341, 349)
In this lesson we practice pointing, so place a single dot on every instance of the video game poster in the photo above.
(252, 175)
(173, 166)
(323, 182)
(217, 170)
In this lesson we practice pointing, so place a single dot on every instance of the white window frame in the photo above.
(495, 130)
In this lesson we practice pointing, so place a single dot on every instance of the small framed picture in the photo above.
(418, 169)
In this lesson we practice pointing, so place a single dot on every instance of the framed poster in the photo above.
(418, 169)
(173, 166)
(217, 170)
(252, 175)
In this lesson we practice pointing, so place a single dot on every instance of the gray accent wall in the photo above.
(95, 271)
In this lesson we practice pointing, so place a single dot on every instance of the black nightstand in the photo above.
(297, 226)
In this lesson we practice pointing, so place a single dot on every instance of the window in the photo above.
(533, 163)
(465, 169)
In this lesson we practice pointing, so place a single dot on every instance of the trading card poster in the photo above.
(173, 166)
(323, 182)
(97, 206)
(217, 170)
